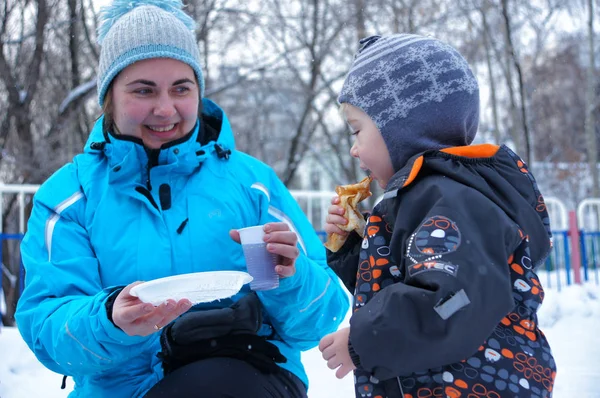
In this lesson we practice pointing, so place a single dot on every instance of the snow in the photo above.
(570, 318)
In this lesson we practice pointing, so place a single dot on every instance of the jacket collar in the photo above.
(128, 159)
(407, 174)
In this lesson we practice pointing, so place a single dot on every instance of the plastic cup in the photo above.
(259, 262)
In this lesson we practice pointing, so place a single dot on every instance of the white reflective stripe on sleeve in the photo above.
(278, 214)
(51, 222)
(318, 297)
(82, 345)
(263, 189)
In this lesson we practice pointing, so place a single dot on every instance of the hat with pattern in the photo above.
(419, 92)
(133, 30)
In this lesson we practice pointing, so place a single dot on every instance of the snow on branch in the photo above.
(76, 93)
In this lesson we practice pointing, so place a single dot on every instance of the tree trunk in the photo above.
(361, 31)
(517, 65)
(488, 58)
(516, 137)
(590, 128)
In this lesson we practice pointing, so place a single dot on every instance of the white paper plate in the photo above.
(198, 287)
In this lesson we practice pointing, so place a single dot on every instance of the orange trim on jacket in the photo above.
(469, 151)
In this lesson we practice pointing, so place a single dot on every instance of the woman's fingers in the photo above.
(281, 241)
(131, 313)
(157, 314)
(283, 237)
(235, 235)
(285, 271)
(284, 249)
(165, 314)
(276, 226)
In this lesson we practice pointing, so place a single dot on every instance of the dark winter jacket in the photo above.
(446, 294)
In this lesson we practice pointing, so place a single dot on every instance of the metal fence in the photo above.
(588, 220)
(11, 265)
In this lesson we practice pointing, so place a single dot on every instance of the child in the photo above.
(444, 282)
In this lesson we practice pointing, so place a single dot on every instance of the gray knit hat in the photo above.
(420, 93)
(133, 30)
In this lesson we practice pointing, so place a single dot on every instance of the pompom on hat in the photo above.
(134, 30)
(420, 93)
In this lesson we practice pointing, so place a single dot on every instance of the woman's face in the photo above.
(369, 146)
(155, 100)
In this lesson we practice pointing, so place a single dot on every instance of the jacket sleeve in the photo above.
(312, 303)
(454, 292)
(61, 313)
(344, 262)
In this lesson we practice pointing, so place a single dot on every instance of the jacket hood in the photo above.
(496, 172)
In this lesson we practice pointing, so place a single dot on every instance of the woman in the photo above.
(160, 190)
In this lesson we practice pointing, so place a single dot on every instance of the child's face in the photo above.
(369, 146)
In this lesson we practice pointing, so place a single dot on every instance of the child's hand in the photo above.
(335, 217)
(334, 348)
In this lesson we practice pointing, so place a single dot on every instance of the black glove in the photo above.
(226, 332)
(244, 316)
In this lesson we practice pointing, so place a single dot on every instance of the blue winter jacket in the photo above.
(94, 228)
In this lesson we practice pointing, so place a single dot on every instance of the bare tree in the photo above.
(591, 103)
(44, 105)
(487, 39)
(510, 49)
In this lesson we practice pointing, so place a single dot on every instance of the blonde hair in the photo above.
(108, 110)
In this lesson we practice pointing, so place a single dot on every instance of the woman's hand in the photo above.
(334, 348)
(137, 318)
(280, 241)
(335, 217)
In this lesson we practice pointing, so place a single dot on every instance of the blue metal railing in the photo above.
(590, 254)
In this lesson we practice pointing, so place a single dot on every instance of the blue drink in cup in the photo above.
(259, 262)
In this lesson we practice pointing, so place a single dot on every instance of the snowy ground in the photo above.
(570, 318)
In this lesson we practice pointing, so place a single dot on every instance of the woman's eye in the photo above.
(355, 132)
(181, 90)
(143, 91)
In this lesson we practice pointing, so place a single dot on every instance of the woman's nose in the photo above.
(165, 107)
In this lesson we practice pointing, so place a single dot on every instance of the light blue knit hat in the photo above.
(133, 30)
(420, 93)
